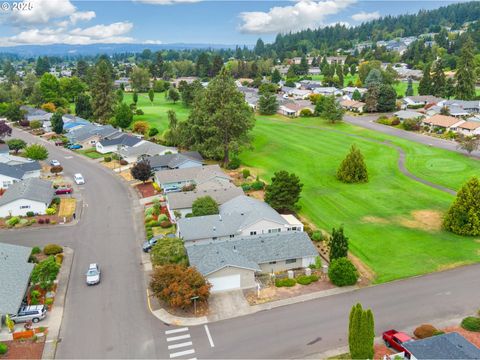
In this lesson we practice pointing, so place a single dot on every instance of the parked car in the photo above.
(75, 146)
(93, 274)
(63, 190)
(33, 313)
(147, 245)
(396, 339)
(78, 178)
(55, 163)
(59, 143)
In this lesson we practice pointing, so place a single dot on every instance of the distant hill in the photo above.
(94, 49)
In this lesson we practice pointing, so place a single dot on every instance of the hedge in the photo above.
(471, 323)
(306, 279)
(52, 249)
(285, 282)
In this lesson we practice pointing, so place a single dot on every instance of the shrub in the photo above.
(123, 162)
(285, 282)
(45, 272)
(153, 132)
(424, 331)
(47, 221)
(139, 112)
(24, 123)
(41, 221)
(56, 201)
(169, 251)
(306, 112)
(317, 236)
(395, 121)
(258, 185)
(52, 249)
(3, 348)
(34, 297)
(233, 164)
(314, 278)
(303, 280)
(149, 233)
(51, 211)
(13, 221)
(152, 223)
(59, 259)
(156, 187)
(246, 187)
(36, 250)
(162, 217)
(165, 224)
(342, 272)
(49, 301)
(245, 173)
(189, 187)
(35, 124)
(471, 323)
(30, 213)
(107, 158)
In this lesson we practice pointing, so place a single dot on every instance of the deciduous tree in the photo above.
(16, 145)
(44, 273)
(468, 143)
(204, 205)
(36, 152)
(141, 171)
(5, 130)
(123, 116)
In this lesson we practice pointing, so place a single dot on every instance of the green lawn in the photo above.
(378, 216)
(156, 113)
(91, 153)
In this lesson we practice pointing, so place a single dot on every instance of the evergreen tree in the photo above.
(353, 69)
(284, 191)
(425, 84)
(102, 92)
(42, 66)
(331, 110)
(151, 95)
(371, 98)
(409, 91)
(387, 98)
(303, 67)
(259, 48)
(276, 77)
(339, 72)
(438, 79)
(83, 107)
(135, 98)
(123, 116)
(356, 95)
(267, 104)
(338, 244)
(450, 88)
(353, 168)
(173, 94)
(216, 65)
(463, 217)
(361, 333)
(57, 122)
(466, 75)
(374, 77)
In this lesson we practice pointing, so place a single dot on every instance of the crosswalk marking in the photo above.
(181, 337)
(176, 346)
(181, 353)
(168, 332)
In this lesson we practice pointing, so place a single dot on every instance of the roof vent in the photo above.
(219, 217)
(214, 228)
(235, 248)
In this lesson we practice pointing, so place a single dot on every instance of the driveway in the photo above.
(227, 304)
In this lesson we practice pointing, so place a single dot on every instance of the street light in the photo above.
(194, 298)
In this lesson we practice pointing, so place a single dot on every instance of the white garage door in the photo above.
(225, 282)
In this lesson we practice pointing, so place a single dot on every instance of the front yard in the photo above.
(91, 153)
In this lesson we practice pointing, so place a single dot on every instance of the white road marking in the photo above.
(69, 157)
(176, 346)
(181, 337)
(209, 336)
(181, 353)
(168, 332)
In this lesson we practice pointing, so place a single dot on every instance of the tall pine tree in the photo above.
(425, 85)
(353, 168)
(338, 244)
(466, 76)
(102, 92)
(439, 80)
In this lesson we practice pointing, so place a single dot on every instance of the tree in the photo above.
(173, 94)
(371, 98)
(57, 122)
(56, 170)
(50, 88)
(16, 145)
(463, 217)
(71, 88)
(189, 91)
(303, 67)
(450, 88)
(42, 66)
(373, 77)
(332, 111)
(276, 77)
(45, 273)
(36, 152)
(466, 76)
(14, 112)
(439, 80)
(425, 84)
(204, 205)
(361, 333)
(353, 168)
(356, 95)
(267, 104)
(135, 98)
(387, 98)
(468, 143)
(169, 251)
(220, 119)
(284, 191)
(338, 244)
(141, 171)
(83, 106)
(5, 130)
(140, 78)
(342, 272)
(151, 95)
(217, 65)
(102, 92)
(171, 135)
(409, 91)
(140, 127)
(123, 116)
(177, 285)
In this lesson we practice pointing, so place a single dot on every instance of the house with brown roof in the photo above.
(294, 108)
(352, 105)
(448, 123)
(469, 128)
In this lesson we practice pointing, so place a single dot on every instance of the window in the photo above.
(253, 233)
(272, 262)
(270, 231)
(214, 238)
(231, 236)
(25, 207)
(290, 261)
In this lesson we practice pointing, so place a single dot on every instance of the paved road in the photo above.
(368, 122)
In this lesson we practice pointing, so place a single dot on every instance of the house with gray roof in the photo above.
(444, 346)
(240, 216)
(32, 114)
(182, 160)
(10, 174)
(408, 114)
(175, 180)
(144, 150)
(181, 202)
(89, 134)
(15, 271)
(233, 263)
(30, 195)
(116, 142)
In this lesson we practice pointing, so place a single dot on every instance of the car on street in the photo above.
(55, 163)
(75, 146)
(93, 274)
(63, 190)
(78, 178)
(33, 313)
(395, 339)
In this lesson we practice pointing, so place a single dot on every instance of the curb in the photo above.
(53, 334)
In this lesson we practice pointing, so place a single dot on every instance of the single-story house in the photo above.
(175, 180)
(144, 150)
(297, 94)
(182, 201)
(310, 84)
(182, 160)
(469, 128)
(444, 346)
(408, 114)
(349, 90)
(420, 100)
(327, 91)
(352, 105)
(233, 263)
(90, 134)
(469, 106)
(15, 271)
(32, 114)
(10, 174)
(188, 79)
(294, 108)
(240, 216)
(443, 121)
(32, 194)
(9, 159)
(117, 142)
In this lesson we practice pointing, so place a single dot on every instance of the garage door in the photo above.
(229, 282)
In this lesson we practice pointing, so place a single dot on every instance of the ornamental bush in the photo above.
(342, 272)
(234, 164)
(245, 173)
(107, 158)
(13, 221)
(51, 211)
(169, 251)
(36, 250)
(3, 348)
(287, 282)
(306, 279)
(52, 249)
(257, 185)
(425, 331)
(165, 224)
(30, 213)
(471, 323)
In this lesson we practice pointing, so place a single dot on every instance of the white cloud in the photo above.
(101, 31)
(166, 2)
(304, 14)
(43, 11)
(152, 42)
(82, 16)
(363, 16)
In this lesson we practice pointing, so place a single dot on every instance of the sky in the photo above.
(228, 22)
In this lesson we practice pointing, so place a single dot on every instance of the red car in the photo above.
(64, 191)
(396, 339)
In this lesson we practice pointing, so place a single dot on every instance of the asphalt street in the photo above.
(112, 320)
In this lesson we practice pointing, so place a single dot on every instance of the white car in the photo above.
(55, 163)
(79, 180)
(93, 274)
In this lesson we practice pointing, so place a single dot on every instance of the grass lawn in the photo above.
(392, 221)
(156, 113)
(91, 153)
(67, 207)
